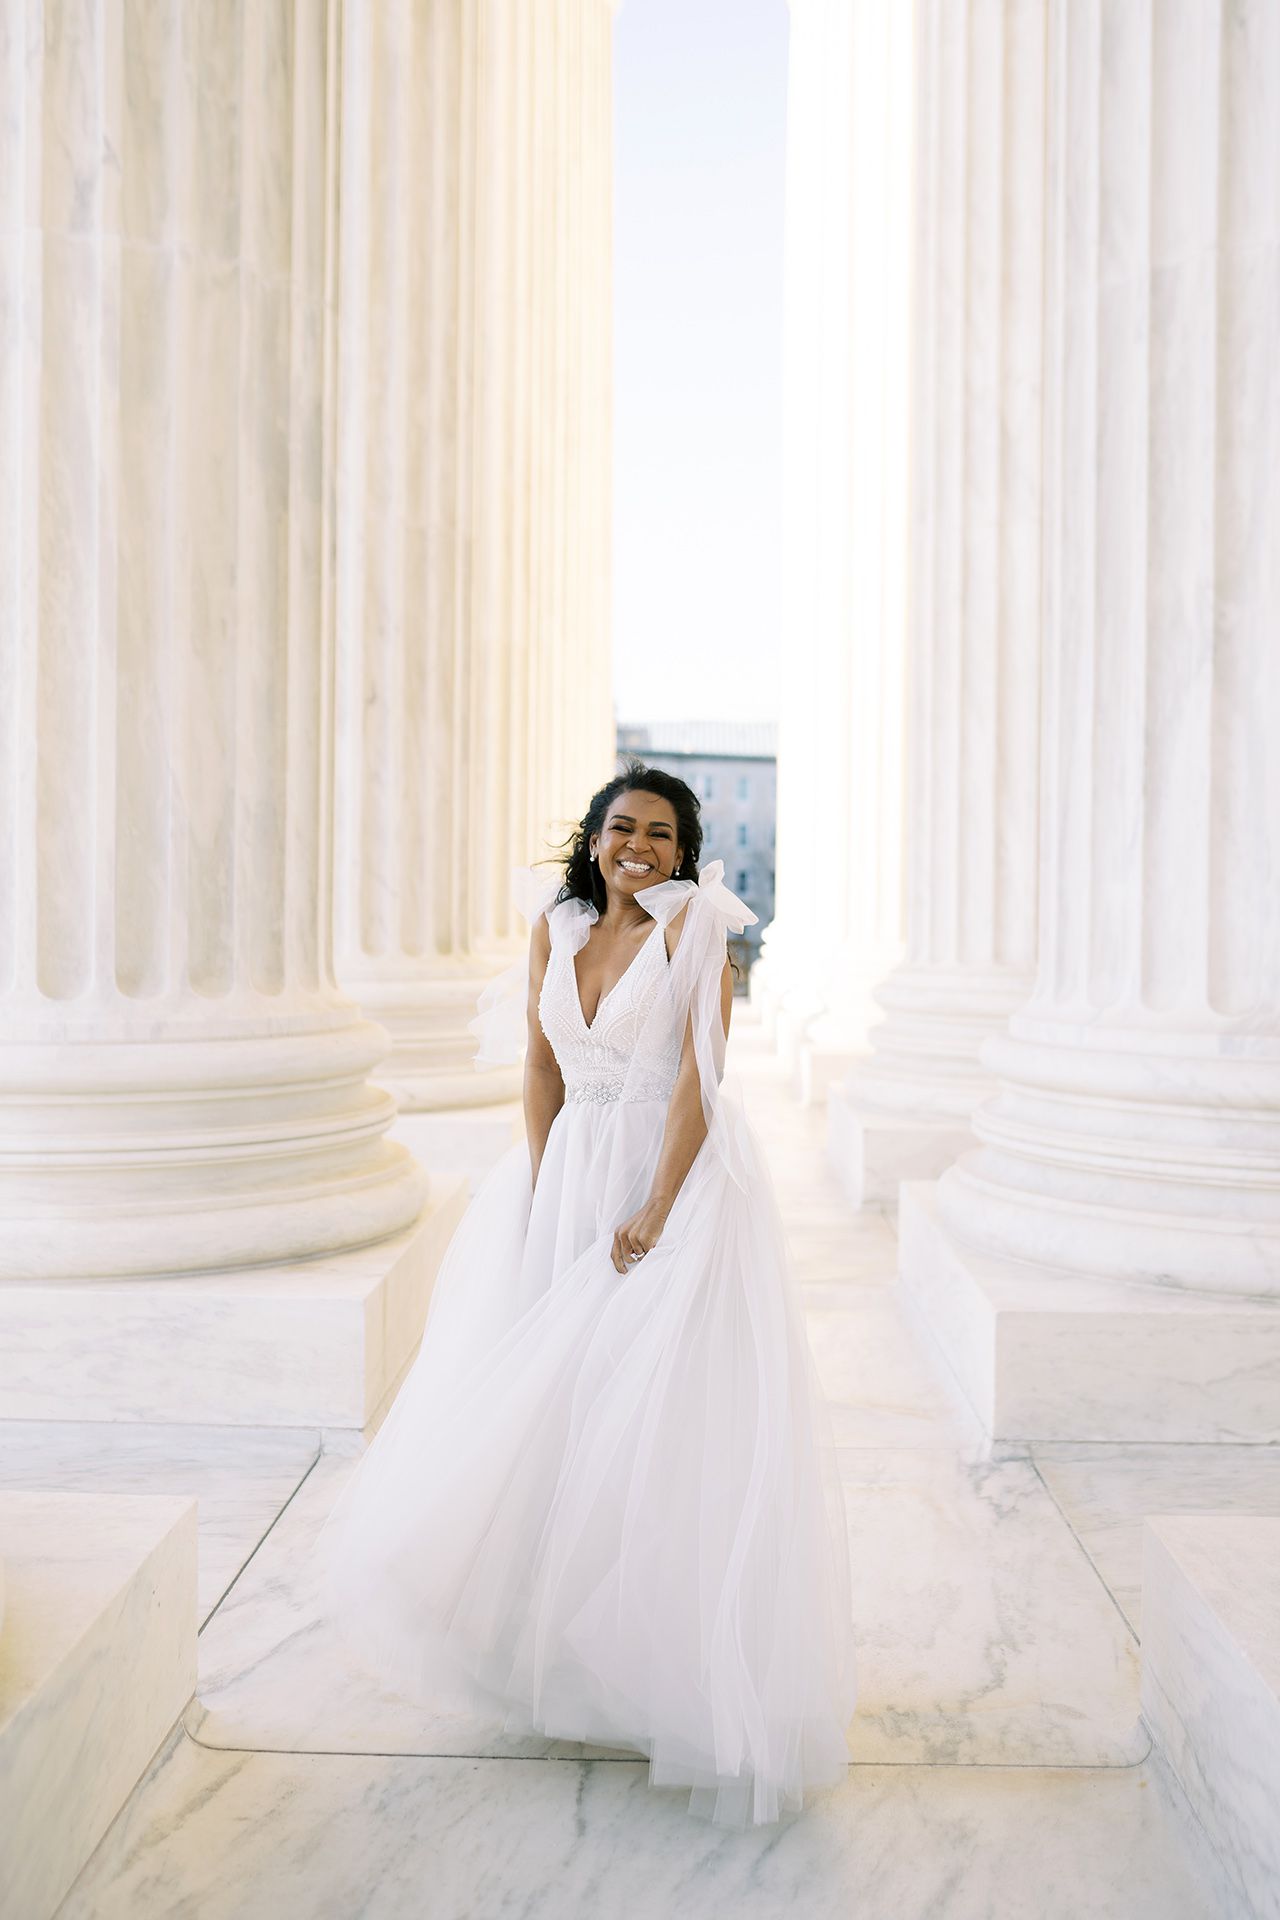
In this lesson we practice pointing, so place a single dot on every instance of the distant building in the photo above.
(732, 767)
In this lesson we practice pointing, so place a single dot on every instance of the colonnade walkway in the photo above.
(999, 1762)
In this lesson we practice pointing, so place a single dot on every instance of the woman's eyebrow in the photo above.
(628, 820)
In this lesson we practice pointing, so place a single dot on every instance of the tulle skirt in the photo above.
(605, 1506)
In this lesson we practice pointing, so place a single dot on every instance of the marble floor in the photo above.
(999, 1767)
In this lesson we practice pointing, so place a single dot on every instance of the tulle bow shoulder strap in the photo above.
(500, 1022)
(693, 996)
(733, 914)
(719, 911)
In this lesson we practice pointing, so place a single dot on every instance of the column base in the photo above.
(447, 1094)
(312, 1343)
(764, 990)
(1211, 1686)
(174, 1155)
(832, 1047)
(430, 1067)
(100, 1660)
(822, 1065)
(872, 1153)
(791, 1024)
(461, 1145)
(1043, 1354)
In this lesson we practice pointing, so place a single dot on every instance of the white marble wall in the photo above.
(181, 1082)
(972, 747)
(838, 924)
(474, 485)
(1136, 1131)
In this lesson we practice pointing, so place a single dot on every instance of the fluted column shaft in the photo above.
(975, 561)
(474, 308)
(1136, 1132)
(181, 1083)
(839, 904)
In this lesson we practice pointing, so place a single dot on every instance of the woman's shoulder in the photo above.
(568, 921)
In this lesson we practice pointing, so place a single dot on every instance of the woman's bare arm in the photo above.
(683, 1135)
(543, 1085)
(686, 1127)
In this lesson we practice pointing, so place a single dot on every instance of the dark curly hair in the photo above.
(581, 879)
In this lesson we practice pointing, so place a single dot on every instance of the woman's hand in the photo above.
(636, 1235)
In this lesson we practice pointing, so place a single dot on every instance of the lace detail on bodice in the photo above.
(598, 1062)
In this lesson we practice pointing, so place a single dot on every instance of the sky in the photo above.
(699, 142)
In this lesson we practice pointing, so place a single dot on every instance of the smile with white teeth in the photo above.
(634, 866)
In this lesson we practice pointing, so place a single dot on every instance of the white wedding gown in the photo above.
(604, 1506)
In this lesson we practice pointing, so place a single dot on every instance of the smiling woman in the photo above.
(604, 1503)
(645, 832)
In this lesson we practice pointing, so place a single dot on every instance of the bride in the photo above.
(603, 1504)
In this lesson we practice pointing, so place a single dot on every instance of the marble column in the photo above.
(182, 1085)
(473, 463)
(975, 583)
(1136, 1130)
(840, 786)
(1106, 1261)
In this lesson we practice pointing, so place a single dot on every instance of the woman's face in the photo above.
(637, 845)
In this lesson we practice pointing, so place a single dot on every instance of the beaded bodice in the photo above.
(599, 1063)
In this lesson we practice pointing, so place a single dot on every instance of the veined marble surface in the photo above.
(240, 1477)
(1058, 1356)
(96, 1660)
(320, 1837)
(291, 1344)
(1211, 1685)
(999, 1767)
(985, 1634)
(1105, 1492)
(274, 1676)
(881, 1389)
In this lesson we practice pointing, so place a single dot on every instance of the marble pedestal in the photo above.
(430, 1066)
(1211, 1684)
(97, 1661)
(312, 1343)
(817, 1071)
(1046, 1355)
(789, 1026)
(872, 1153)
(463, 1144)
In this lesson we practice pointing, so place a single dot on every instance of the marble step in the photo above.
(1210, 1684)
(310, 1343)
(281, 1836)
(97, 1661)
(1052, 1356)
(241, 1478)
(987, 1638)
(872, 1154)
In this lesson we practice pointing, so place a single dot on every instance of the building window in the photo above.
(708, 832)
(708, 786)
(744, 786)
(744, 880)
(744, 834)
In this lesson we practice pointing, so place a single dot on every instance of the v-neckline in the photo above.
(589, 1026)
